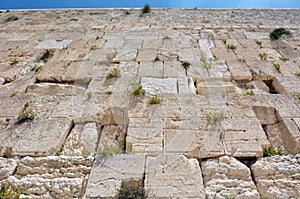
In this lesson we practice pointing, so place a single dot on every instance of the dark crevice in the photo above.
(100, 129)
(47, 56)
(249, 161)
(272, 89)
(65, 139)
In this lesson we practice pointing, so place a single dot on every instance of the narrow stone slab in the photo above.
(108, 173)
(155, 86)
(170, 176)
(215, 86)
(50, 43)
(52, 88)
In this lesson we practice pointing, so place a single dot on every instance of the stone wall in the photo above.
(176, 103)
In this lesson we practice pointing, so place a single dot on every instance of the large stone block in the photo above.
(108, 173)
(157, 86)
(172, 176)
(226, 177)
(277, 177)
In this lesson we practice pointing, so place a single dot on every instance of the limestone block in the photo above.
(155, 86)
(108, 173)
(7, 167)
(150, 69)
(287, 84)
(239, 71)
(82, 140)
(107, 109)
(173, 69)
(146, 55)
(266, 115)
(226, 177)
(37, 137)
(52, 71)
(290, 135)
(145, 135)
(277, 176)
(125, 54)
(247, 54)
(53, 88)
(114, 43)
(219, 70)
(224, 54)
(51, 43)
(51, 177)
(215, 86)
(274, 135)
(102, 54)
(258, 85)
(171, 176)
(134, 43)
(272, 54)
(112, 137)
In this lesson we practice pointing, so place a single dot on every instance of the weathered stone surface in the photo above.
(156, 86)
(239, 71)
(82, 140)
(52, 88)
(126, 54)
(146, 55)
(169, 176)
(37, 137)
(277, 177)
(51, 177)
(50, 43)
(109, 172)
(54, 64)
(7, 167)
(226, 177)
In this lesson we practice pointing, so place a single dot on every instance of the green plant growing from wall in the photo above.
(263, 56)
(231, 46)
(277, 67)
(249, 92)
(26, 114)
(271, 151)
(131, 189)
(186, 65)
(283, 58)
(138, 91)
(8, 192)
(216, 117)
(224, 41)
(13, 61)
(113, 73)
(297, 74)
(278, 32)
(109, 150)
(155, 100)
(93, 47)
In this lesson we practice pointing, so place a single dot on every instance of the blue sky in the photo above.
(38, 4)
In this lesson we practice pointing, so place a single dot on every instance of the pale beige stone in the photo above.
(169, 176)
(226, 177)
(108, 173)
(277, 176)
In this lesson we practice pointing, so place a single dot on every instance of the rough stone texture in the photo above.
(157, 86)
(226, 177)
(109, 172)
(51, 177)
(82, 140)
(7, 167)
(54, 65)
(169, 176)
(277, 177)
